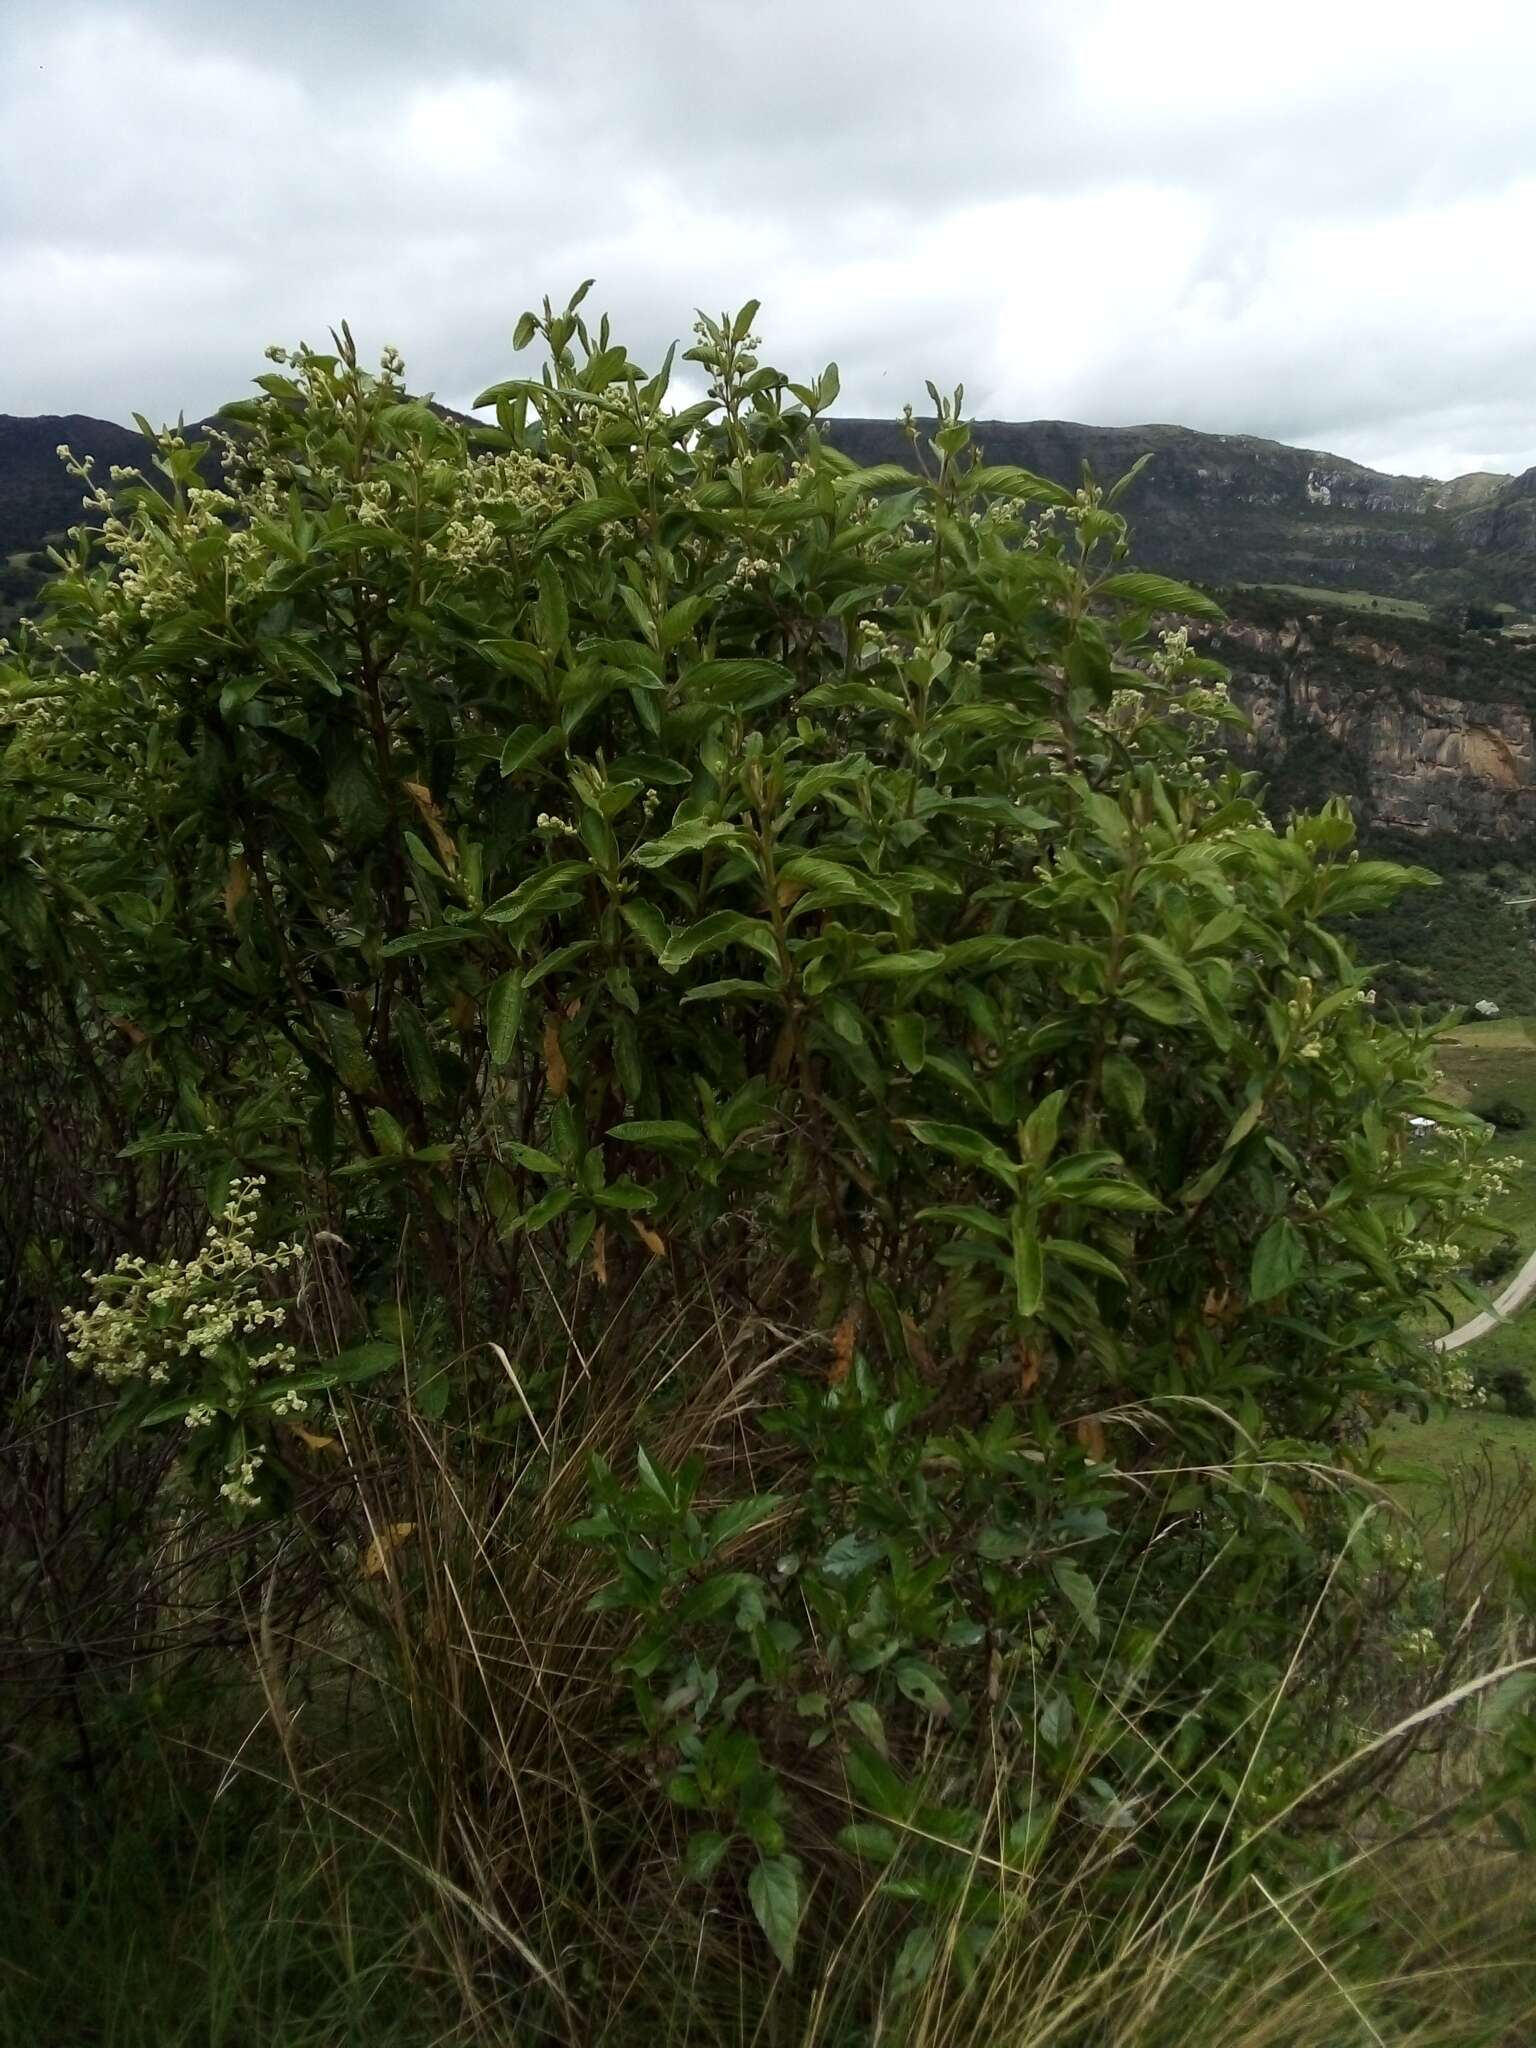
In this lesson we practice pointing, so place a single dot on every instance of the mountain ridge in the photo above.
(1216, 508)
(1228, 509)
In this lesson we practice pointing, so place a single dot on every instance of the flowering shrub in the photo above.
(638, 843)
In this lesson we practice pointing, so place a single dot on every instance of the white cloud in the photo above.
(1311, 224)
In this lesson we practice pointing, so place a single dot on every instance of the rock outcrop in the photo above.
(1426, 731)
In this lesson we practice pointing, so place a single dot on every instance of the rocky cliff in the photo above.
(1428, 731)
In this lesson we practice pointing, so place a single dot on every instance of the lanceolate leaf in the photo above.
(503, 1013)
(1028, 1263)
(713, 933)
(969, 1146)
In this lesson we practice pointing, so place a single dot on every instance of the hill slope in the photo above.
(1229, 508)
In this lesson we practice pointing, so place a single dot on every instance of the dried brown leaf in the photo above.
(377, 1557)
(237, 886)
(312, 1442)
(917, 1345)
(556, 1073)
(1031, 1365)
(843, 1339)
(653, 1240)
(432, 818)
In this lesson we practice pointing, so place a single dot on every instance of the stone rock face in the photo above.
(1384, 724)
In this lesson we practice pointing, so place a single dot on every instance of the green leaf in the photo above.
(1279, 1260)
(909, 1036)
(168, 1411)
(1028, 1263)
(738, 1516)
(731, 987)
(539, 891)
(361, 1362)
(1125, 1086)
(774, 1890)
(744, 684)
(647, 922)
(1008, 480)
(1078, 1590)
(1037, 1140)
(966, 1145)
(681, 618)
(503, 1014)
(712, 934)
(692, 836)
(548, 1207)
(895, 966)
(828, 881)
(532, 1158)
(919, 1683)
(416, 1050)
(345, 1043)
(387, 1134)
(579, 519)
(1158, 593)
(556, 962)
(529, 743)
(657, 1131)
(870, 1839)
(554, 608)
(865, 1716)
(1084, 1255)
(850, 1555)
(703, 1855)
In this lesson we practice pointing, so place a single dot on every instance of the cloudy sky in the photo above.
(1312, 221)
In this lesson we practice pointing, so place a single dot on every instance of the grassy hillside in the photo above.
(1486, 1063)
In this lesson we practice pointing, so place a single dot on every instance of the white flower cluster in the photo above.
(1039, 530)
(1398, 1553)
(239, 1488)
(203, 1324)
(465, 543)
(148, 1320)
(1458, 1386)
(1416, 1646)
(1205, 700)
(1172, 654)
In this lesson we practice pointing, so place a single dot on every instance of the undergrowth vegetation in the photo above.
(702, 1236)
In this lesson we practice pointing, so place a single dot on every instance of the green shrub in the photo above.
(1495, 1261)
(1508, 1385)
(642, 846)
(1502, 1112)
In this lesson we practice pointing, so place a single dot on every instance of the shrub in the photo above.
(1495, 1261)
(1503, 1112)
(624, 871)
(1508, 1385)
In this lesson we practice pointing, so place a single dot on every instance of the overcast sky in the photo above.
(1311, 220)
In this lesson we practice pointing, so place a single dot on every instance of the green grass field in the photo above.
(1497, 1060)
(1483, 1061)
(1368, 601)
